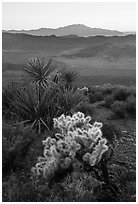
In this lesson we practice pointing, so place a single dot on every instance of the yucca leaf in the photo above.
(39, 72)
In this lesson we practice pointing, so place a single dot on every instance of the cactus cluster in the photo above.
(76, 137)
(84, 90)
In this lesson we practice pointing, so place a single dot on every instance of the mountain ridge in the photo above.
(74, 29)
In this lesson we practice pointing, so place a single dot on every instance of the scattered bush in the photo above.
(133, 91)
(118, 108)
(77, 187)
(108, 101)
(92, 98)
(99, 96)
(81, 187)
(8, 94)
(121, 101)
(16, 142)
(121, 94)
(111, 133)
(107, 90)
(85, 108)
(95, 96)
(131, 105)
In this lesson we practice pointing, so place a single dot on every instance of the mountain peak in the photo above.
(79, 26)
(76, 25)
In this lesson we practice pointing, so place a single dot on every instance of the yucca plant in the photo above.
(39, 72)
(69, 99)
(68, 77)
(36, 112)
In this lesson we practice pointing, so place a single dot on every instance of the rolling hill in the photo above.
(96, 56)
(22, 46)
(106, 50)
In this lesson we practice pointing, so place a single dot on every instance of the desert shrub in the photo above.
(108, 101)
(95, 95)
(133, 91)
(119, 109)
(16, 142)
(111, 133)
(81, 187)
(6, 98)
(107, 90)
(92, 98)
(131, 105)
(20, 188)
(121, 94)
(8, 94)
(76, 187)
(85, 108)
(99, 96)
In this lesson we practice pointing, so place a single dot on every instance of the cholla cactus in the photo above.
(83, 90)
(77, 137)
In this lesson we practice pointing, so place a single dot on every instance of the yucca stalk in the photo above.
(68, 77)
(40, 73)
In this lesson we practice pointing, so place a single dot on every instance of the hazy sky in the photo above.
(119, 16)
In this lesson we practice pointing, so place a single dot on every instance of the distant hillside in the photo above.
(106, 50)
(19, 42)
(75, 29)
(84, 54)
(100, 57)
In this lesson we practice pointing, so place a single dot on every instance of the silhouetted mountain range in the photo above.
(75, 29)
